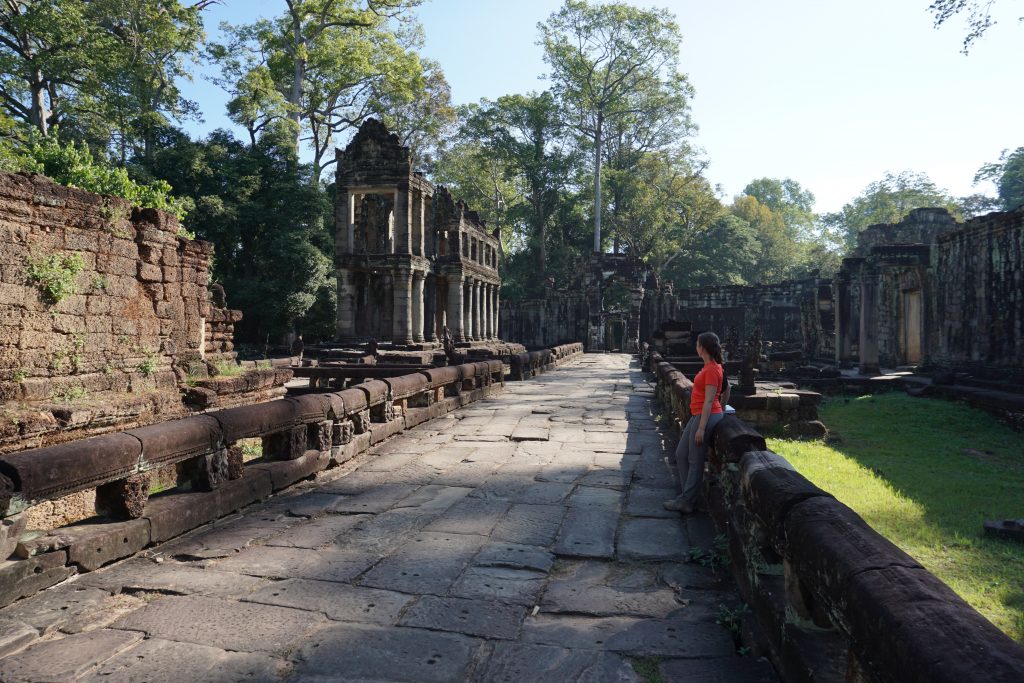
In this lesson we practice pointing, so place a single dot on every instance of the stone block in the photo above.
(286, 472)
(91, 546)
(286, 445)
(22, 578)
(125, 498)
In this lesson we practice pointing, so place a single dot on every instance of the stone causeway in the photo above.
(520, 538)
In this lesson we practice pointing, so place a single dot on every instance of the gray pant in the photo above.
(690, 457)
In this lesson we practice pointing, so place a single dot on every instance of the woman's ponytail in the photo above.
(709, 342)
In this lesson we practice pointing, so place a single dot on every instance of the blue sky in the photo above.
(831, 94)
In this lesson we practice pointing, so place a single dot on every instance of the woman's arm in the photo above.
(705, 412)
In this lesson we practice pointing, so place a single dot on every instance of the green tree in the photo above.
(331, 62)
(258, 207)
(778, 253)
(888, 201)
(1008, 176)
(725, 253)
(610, 61)
(527, 134)
(105, 71)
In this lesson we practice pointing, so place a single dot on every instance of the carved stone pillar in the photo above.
(488, 326)
(869, 321)
(454, 313)
(417, 306)
(497, 308)
(401, 324)
(467, 309)
(403, 225)
(478, 328)
(345, 324)
(430, 309)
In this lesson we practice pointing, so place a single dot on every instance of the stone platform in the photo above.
(521, 538)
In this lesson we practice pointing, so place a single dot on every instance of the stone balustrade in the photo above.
(526, 365)
(300, 436)
(836, 600)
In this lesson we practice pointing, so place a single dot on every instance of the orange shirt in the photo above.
(711, 374)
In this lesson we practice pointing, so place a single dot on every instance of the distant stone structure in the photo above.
(410, 260)
(931, 292)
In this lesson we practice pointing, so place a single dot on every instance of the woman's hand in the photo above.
(698, 437)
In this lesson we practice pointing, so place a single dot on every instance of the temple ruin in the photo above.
(410, 260)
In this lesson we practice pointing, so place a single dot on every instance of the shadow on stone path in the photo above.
(519, 539)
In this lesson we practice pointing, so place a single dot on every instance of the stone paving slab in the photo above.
(142, 574)
(647, 502)
(316, 533)
(485, 618)
(428, 565)
(515, 556)
(51, 609)
(65, 659)
(229, 625)
(339, 602)
(653, 539)
(155, 660)
(279, 563)
(530, 524)
(588, 532)
(367, 653)
(671, 637)
(472, 516)
(520, 586)
(719, 670)
(545, 664)
(377, 499)
(599, 589)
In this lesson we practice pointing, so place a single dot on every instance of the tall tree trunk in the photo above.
(40, 115)
(298, 73)
(597, 183)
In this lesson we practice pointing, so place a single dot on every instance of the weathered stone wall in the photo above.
(136, 312)
(980, 300)
(795, 312)
(935, 293)
(536, 323)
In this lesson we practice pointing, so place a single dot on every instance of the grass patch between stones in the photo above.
(926, 473)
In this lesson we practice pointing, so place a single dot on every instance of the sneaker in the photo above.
(678, 505)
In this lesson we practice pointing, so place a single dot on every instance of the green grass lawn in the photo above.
(925, 473)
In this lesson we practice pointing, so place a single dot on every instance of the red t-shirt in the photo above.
(711, 374)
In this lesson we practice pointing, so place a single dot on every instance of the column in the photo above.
(487, 311)
(869, 321)
(841, 300)
(478, 328)
(417, 306)
(402, 213)
(467, 309)
(454, 312)
(345, 323)
(401, 323)
(497, 309)
(348, 224)
(430, 309)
